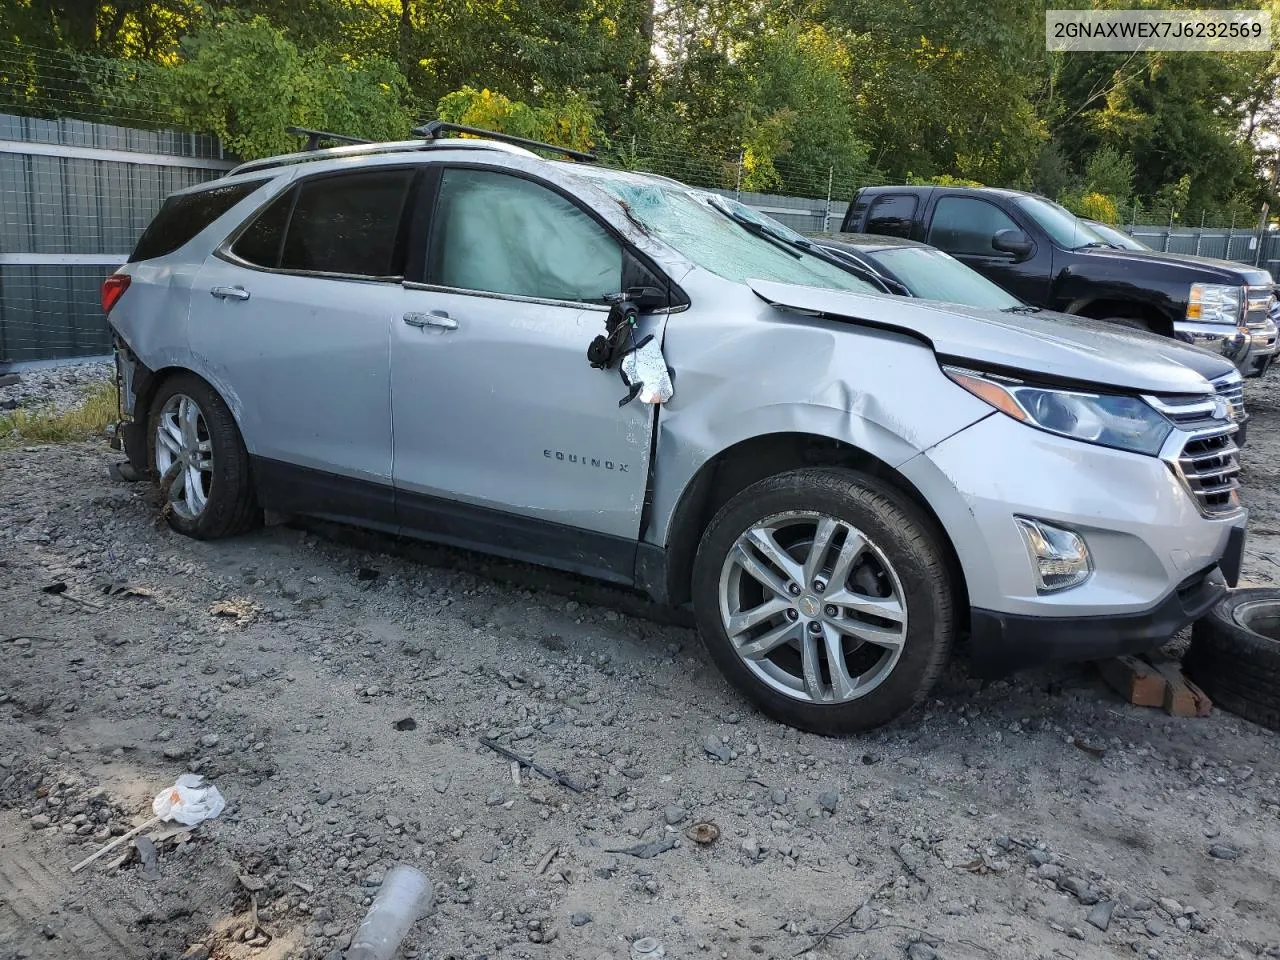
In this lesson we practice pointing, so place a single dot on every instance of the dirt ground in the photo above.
(336, 694)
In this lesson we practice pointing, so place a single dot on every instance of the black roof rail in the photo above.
(315, 136)
(433, 129)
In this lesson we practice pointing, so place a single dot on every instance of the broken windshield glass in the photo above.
(673, 214)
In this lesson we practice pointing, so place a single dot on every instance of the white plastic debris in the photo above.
(648, 367)
(189, 801)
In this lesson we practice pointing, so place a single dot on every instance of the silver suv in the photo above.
(599, 371)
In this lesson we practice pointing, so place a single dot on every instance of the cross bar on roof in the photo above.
(433, 130)
(315, 136)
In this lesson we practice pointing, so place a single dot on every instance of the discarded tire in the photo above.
(1235, 655)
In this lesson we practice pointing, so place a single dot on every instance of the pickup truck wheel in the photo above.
(824, 597)
(200, 460)
(1235, 655)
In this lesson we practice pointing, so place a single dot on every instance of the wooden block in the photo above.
(1182, 698)
(1135, 680)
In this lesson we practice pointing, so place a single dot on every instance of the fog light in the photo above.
(1059, 557)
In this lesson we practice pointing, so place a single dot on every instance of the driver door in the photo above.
(504, 436)
(965, 226)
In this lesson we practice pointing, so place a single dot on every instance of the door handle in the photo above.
(432, 318)
(230, 293)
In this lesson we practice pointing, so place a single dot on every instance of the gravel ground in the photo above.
(335, 694)
(61, 387)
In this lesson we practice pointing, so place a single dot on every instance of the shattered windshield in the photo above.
(674, 214)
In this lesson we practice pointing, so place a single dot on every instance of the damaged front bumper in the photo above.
(131, 429)
(1156, 562)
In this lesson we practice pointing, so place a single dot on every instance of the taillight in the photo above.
(112, 289)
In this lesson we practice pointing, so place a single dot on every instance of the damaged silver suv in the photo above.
(596, 370)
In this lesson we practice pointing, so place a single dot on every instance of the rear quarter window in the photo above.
(182, 217)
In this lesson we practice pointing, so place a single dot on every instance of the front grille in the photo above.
(1231, 389)
(1208, 466)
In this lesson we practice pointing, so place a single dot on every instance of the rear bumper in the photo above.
(1001, 643)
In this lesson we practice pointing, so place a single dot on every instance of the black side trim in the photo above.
(1001, 643)
(289, 489)
(286, 488)
(651, 572)
(518, 538)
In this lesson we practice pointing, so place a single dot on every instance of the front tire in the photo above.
(824, 596)
(200, 460)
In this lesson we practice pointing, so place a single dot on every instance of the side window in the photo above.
(966, 225)
(498, 233)
(892, 216)
(350, 223)
(261, 242)
(182, 217)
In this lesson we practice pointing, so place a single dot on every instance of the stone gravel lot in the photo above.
(336, 694)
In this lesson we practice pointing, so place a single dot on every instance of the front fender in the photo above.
(879, 391)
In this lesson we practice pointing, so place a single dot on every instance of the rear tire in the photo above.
(1235, 663)
(871, 626)
(200, 460)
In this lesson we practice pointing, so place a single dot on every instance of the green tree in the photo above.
(245, 82)
(567, 121)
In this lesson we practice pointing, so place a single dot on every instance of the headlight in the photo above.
(1215, 303)
(1110, 420)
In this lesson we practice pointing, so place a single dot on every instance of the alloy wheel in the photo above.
(813, 607)
(184, 454)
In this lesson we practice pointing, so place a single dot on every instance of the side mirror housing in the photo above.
(1012, 241)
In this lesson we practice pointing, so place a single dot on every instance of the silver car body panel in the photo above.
(746, 370)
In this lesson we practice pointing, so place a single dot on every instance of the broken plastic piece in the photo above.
(646, 368)
(189, 801)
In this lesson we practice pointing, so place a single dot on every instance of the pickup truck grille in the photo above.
(1231, 389)
(1208, 466)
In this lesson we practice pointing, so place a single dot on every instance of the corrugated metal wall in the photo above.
(74, 197)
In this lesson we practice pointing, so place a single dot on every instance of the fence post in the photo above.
(737, 190)
(1168, 234)
(1230, 230)
(826, 217)
(1200, 233)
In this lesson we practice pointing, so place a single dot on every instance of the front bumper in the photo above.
(1001, 643)
(1250, 348)
(1151, 547)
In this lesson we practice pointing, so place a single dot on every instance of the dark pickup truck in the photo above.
(1044, 255)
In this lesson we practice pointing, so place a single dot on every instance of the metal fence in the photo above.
(74, 197)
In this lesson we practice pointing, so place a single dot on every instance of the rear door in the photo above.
(964, 226)
(503, 431)
(294, 317)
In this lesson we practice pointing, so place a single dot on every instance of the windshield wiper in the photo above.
(1021, 308)
(1094, 244)
(762, 232)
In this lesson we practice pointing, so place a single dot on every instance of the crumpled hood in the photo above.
(1071, 348)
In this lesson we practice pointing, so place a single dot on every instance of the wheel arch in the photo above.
(1105, 308)
(147, 384)
(736, 467)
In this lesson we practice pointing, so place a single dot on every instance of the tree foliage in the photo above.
(766, 95)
